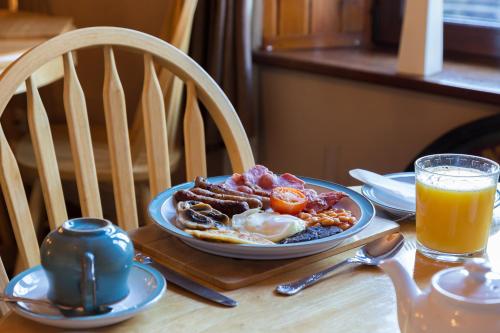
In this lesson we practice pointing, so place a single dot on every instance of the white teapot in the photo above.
(460, 299)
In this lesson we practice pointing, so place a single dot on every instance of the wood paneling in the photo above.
(314, 23)
(293, 17)
(323, 14)
(352, 15)
(270, 19)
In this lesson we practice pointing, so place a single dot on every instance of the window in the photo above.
(473, 12)
(471, 26)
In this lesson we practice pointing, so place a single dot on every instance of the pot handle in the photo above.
(88, 283)
(497, 198)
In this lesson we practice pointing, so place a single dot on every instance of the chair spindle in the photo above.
(17, 205)
(155, 126)
(119, 145)
(80, 140)
(3, 283)
(194, 136)
(43, 146)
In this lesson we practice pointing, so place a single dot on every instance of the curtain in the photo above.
(221, 44)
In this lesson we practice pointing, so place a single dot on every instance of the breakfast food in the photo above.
(228, 207)
(312, 233)
(269, 225)
(337, 216)
(259, 180)
(252, 202)
(198, 215)
(287, 200)
(260, 207)
(217, 188)
(230, 236)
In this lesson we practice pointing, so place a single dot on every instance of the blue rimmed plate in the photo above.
(162, 211)
(146, 286)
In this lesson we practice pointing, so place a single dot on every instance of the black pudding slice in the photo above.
(311, 233)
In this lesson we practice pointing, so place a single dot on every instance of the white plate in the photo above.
(162, 211)
(387, 202)
(145, 283)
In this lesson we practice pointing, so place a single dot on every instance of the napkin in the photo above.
(403, 193)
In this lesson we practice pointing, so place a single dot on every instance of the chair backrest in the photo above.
(3, 283)
(171, 86)
(200, 87)
(13, 5)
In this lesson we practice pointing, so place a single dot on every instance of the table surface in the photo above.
(356, 299)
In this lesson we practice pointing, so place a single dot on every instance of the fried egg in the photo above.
(271, 226)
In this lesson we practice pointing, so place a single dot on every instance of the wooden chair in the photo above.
(20, 31)
(200, 87)
(171, 88)
(3, 283)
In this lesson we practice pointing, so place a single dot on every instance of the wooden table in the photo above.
(360, 299)
(21, 31)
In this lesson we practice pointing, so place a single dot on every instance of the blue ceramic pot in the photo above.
(87, 262)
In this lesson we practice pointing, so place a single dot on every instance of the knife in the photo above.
(185, 283)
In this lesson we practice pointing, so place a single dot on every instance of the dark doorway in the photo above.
(481, 138)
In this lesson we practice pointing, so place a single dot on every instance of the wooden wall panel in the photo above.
(325, 16)
(270, 19)
(293, 17)
(294, 24)
(352, 15)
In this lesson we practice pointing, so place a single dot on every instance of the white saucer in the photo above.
(146, 286)
(388, 203)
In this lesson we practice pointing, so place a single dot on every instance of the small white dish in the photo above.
(146, 286)
(387, 202)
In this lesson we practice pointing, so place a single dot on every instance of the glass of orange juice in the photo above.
(455, 195)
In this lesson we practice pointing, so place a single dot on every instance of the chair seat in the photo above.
(26, 156)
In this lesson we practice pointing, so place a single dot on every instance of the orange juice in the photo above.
(454, 214)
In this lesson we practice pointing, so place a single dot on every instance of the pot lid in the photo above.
(474, 282)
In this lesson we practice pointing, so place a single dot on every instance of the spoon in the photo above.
(66, 311)
(370, 254)
(15, 299)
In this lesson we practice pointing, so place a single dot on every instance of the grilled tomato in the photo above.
(287, 200)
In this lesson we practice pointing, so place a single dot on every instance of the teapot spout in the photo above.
(407, 291)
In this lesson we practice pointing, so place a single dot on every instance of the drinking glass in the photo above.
(455, 195)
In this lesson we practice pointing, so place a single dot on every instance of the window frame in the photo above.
(458, 39)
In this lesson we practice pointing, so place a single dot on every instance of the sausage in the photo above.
(257, 190)
(216, 188)
(252, 202)
(228, 207)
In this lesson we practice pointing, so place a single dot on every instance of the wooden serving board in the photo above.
(228, 273)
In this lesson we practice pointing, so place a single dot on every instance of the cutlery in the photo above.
(404, 217)
(185, 283)
(65, 310)
(370, 254)
(15, 299)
